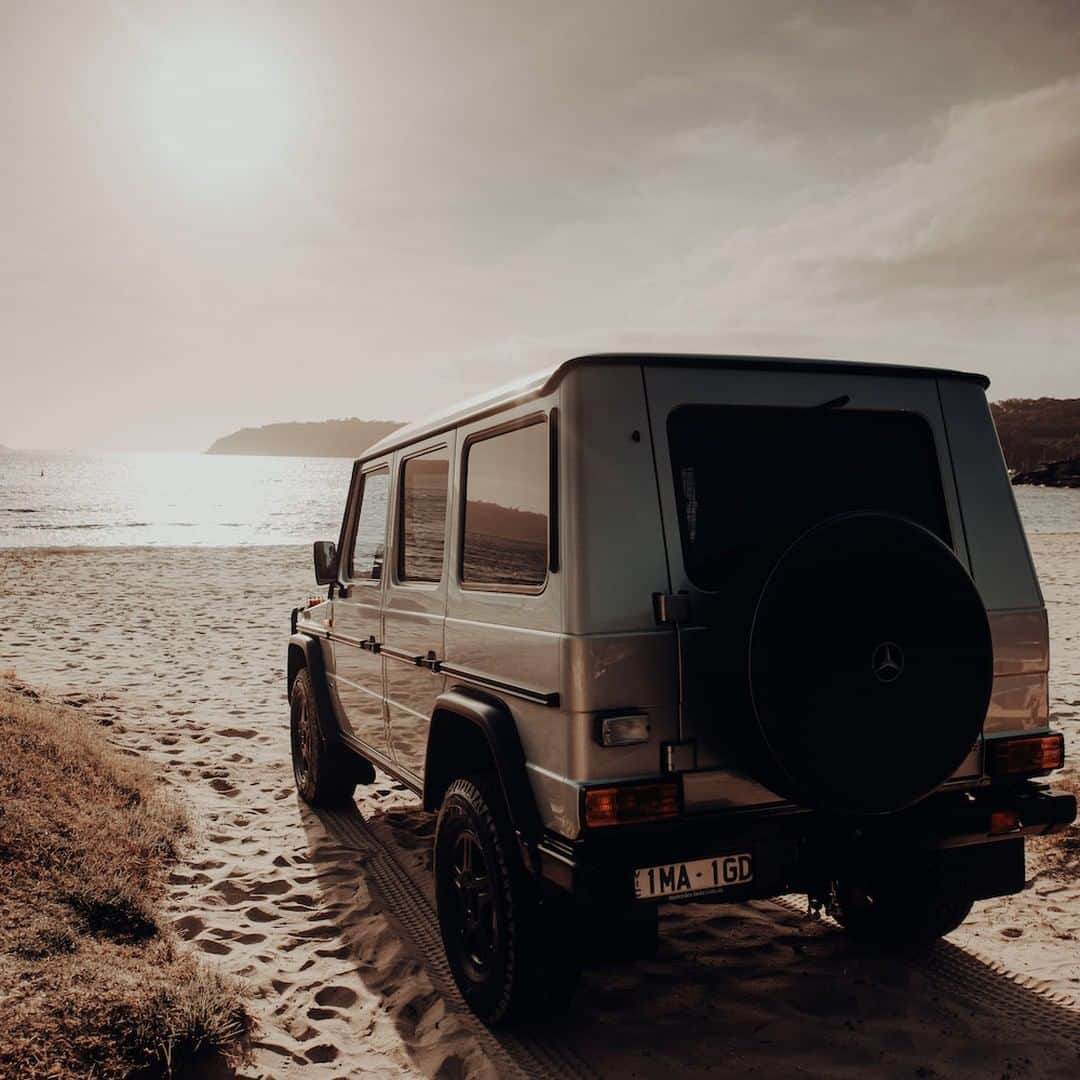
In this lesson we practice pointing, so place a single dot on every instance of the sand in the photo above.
(328, 916)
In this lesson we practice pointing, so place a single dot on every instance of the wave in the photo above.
(91, 525)
(18, 510)
(141, 525)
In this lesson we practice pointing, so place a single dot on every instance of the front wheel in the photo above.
(323, 776)
(511, 949)
(911, 905)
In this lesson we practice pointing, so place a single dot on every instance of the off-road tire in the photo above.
(901, 910)
(512, 951)
(324, 774)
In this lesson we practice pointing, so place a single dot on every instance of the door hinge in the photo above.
(678, 756)
(669, 608)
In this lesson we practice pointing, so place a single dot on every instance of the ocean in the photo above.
(184, 500)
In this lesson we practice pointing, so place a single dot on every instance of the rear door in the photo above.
(746, 462)
(415, 610)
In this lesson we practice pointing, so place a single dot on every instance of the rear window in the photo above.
(505, 545)
(750, 480)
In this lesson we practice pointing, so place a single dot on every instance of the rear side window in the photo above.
(750, 480)
(505, 544)
(423, 516)
(369, 545)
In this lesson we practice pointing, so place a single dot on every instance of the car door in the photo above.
(746, 461)
(415, 608)
(357, 617)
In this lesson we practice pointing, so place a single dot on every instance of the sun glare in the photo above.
(220, 111)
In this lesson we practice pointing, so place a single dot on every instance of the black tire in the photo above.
(899, 908)
(511, 949)
(325, 775)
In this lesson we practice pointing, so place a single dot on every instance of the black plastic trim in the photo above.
(495, 722)
(313, 661)
(438, 667)
(382, 762)
(797, 844)
(538, 697)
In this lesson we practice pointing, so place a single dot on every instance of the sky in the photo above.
(231, 214)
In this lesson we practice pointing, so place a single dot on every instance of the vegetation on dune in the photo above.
(91, 981)
(1034, 431)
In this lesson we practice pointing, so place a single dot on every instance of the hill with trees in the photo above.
(1035, 431)
(324, 438)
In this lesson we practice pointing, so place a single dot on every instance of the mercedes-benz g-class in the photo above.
(644, 629)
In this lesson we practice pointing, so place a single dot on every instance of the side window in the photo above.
(423, 516)
(368, 550)
(505, 540)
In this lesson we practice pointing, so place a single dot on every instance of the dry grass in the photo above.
(91, 983)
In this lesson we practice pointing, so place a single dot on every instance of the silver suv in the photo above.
(649, 629)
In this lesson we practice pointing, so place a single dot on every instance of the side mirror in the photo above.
(326, 561)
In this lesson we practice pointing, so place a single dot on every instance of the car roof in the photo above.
(540, 382)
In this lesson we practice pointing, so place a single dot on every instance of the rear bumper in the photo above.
(794, 851)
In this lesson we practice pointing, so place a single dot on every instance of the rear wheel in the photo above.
(325, 776)
(511, 948)
(909, 905)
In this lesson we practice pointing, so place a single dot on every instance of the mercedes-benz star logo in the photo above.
(887, 663)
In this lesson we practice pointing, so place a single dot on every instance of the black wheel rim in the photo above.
(301, 742)
(474, 910)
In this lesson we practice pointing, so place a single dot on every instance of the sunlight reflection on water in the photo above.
(168, 499)
(107, 500)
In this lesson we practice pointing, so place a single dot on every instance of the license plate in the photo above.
(694, 877)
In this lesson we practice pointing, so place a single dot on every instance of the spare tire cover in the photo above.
(870, 665)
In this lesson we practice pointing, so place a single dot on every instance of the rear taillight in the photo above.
(628, 803)
(1025, 755)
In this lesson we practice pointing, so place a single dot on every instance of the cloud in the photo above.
(994, 206)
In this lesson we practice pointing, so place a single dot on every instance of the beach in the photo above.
(180, 652)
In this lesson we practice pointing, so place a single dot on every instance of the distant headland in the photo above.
(1034, 432)
(324, 438)
(1041, 439)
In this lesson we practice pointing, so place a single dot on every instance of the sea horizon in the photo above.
(171, 498)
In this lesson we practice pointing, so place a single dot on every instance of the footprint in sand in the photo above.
(178, 878)
(258, 914)
(271, 888)
(231, 893)
(217, 948)
(341, 997)
(189, 926)
(340, 953)
(324, 1052)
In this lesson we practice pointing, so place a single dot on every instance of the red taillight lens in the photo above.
(1026, 755)
(631, 802)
